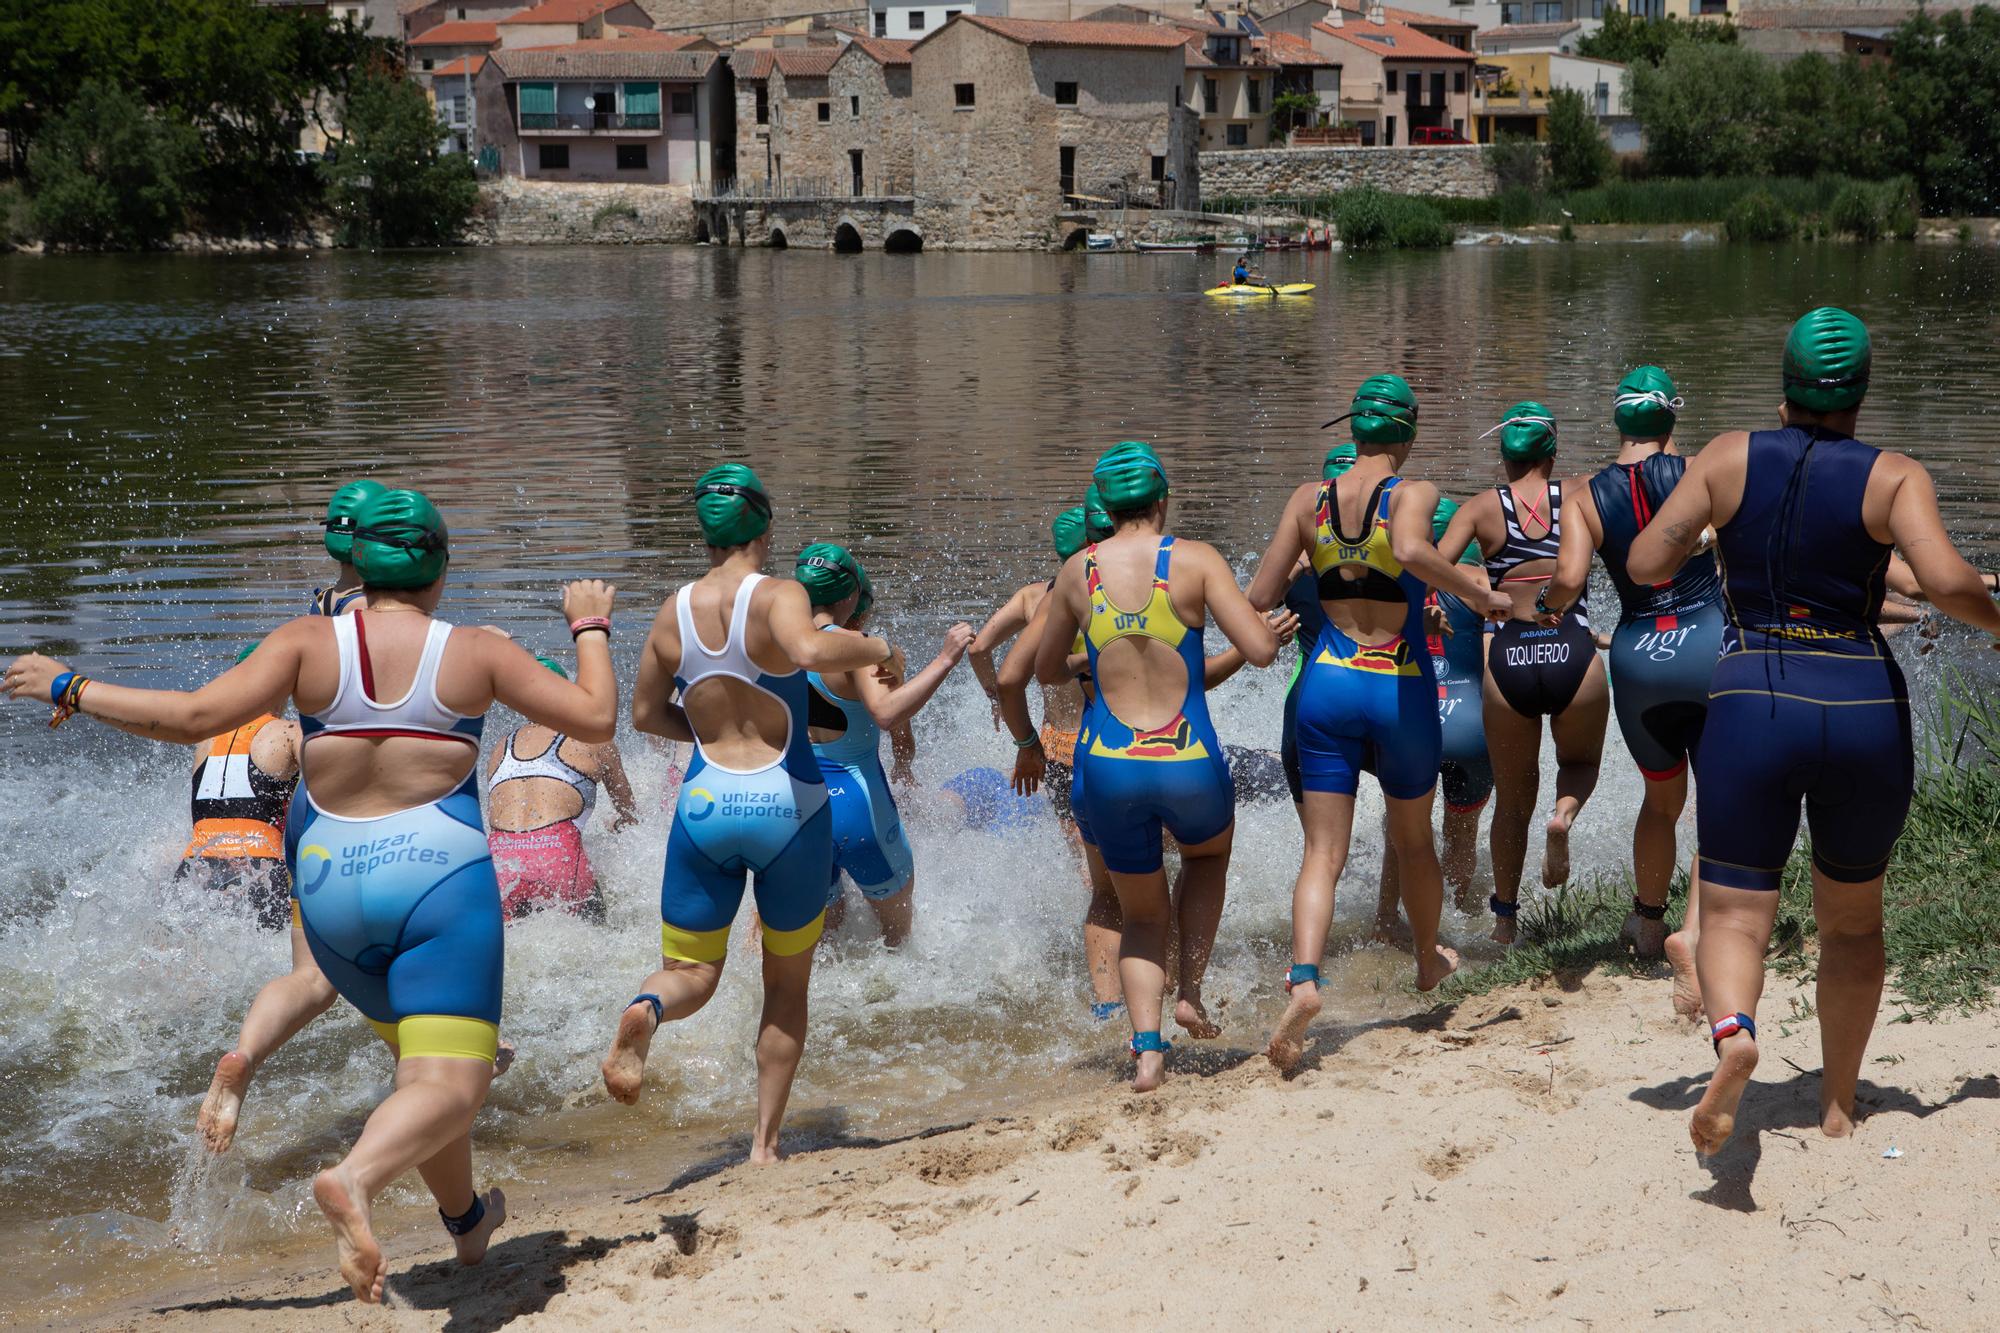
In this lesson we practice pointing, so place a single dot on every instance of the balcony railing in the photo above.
(587, 122)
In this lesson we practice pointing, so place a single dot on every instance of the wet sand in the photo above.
(1521, 1160)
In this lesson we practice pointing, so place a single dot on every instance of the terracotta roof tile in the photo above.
(1393, 41)
(460, 32)
(1415, 17)
(755, 63)
(1051, 32)
(460, 67)
(807, 62)
(1526, 32)
(563, 11)
(884, 50)
(1288, 49)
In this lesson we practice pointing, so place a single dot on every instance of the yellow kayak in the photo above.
(1281, 289)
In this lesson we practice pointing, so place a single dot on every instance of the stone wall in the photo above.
(1458, 171)
(523, 212)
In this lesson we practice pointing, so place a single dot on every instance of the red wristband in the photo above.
(584, 623)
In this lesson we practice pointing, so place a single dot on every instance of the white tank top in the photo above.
(356, 712)
(548, 764)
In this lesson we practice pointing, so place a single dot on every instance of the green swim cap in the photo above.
(1097, 524)
(400, 541)
(1645, 405)
(1338, 459)
(245, 653)
(554, 666)
(340, 512)
(1527, 433)
(864, 601)
(1441, 517)
(1384, 411)
(1827, 361)
(1068, 531)
(1129, 476)
(829, 572)
(731, 505)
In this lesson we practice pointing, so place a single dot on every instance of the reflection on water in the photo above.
(172, 426)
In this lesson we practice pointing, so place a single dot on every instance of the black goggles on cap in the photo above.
(426, 541)
(759, 501)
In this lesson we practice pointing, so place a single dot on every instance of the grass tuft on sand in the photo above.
(1941, 901)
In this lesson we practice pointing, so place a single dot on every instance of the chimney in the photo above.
(1334, 18)
(1375, 14)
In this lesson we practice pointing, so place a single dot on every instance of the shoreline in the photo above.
(1519, 1157)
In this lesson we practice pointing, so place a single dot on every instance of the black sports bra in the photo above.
(1373, 585)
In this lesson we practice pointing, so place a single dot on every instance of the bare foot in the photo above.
(1646, 936)
(1390, 929)
(346, 1207)
(1555, 850)
(472, 1245)
(1687, 989)
(1152, 1071)
(503, 1058)
(1287, 1045)
(762, 1154)
(1715, 1119)
(625, 1068)
(1505, 928)
(217, 1118)
(1194, 1019)
(1432, 970)
(1836, 1122)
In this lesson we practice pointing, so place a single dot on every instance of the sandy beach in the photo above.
(1519, 1160)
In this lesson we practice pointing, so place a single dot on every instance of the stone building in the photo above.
(556, 21)
(827, 120)
(1015, 118)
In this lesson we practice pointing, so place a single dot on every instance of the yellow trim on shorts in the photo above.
(693, 946)
(298, 922)
(789, 943)
(441, 1036)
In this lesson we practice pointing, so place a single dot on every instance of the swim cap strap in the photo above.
(426, 542)
(756, 499)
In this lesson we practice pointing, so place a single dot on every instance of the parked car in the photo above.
(1436, 134)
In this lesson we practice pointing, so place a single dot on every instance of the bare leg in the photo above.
(1146, 909)
(683, 989)
(1204, 880)
(1423, 886)
(449, 1178)
(433, 1105)
(1388, 894)
(1680, 950)
(1460, 859)
(895, 914)
(1736, 929)
(1849, 993)
(1329, 825)
(836, 908)
(281, 1010)
(1514, 748)
(1653, 856)
(781, 1040)
(1103, 930)
(1579, 737)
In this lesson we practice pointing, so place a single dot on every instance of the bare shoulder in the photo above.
(585, 759)
(1732, 446)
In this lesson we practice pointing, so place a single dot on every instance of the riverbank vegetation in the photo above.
(133, 121)
(1943, 889)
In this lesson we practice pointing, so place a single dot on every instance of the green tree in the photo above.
(1831, 117)
(1579, 158)
(109, 172)
(1289, 109)
(1707, 110)
(1943, 108)
(1516, 162)
(389, 184)
(1632, 41)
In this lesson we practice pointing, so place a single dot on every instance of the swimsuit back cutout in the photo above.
(733, 660)
(863, 739)
(1333, 550)
(1800, 571)
(355, 711)
(1627, 495)
(548, 764)
(238, 808)
(1518, 548)
(1182, 736)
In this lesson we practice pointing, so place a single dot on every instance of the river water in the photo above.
(170, 428)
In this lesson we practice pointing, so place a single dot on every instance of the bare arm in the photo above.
(1029, 761)
(586, 708)
(811, 648)
(1579, 540)
(892, 706)
(1220, 667)
(1059, 626)
(1242, 623)
(1275, 571)
(611, 772)
(654, 709)
(1665, 544)
(261, 683)
(1004, 624)
(1946, 580)
(902, 753)
(1410, 508)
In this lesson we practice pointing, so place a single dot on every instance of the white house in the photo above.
(912, 22)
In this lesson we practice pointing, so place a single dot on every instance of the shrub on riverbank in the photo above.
(108, 172)
(390, 185)
(1942, 897)
(1368, 219)
(1758, 216)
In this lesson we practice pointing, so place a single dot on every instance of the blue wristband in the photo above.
(59, 687)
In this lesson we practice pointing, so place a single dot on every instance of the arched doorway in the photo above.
(847, 239)
(778, 241)
(903, 241)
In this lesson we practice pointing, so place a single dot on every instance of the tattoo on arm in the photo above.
(1683, 534)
